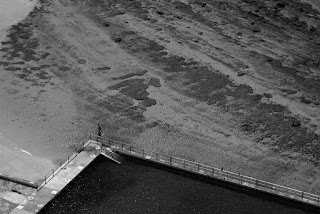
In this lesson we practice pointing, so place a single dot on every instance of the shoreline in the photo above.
(12, 12)
(14, 160)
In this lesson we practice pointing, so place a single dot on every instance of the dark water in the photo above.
(138, 187)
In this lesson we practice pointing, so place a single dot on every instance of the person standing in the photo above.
(99, 130)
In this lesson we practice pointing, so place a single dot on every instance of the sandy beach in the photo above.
(233, 84)
(15, 160)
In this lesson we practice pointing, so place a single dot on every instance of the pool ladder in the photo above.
(111, 155)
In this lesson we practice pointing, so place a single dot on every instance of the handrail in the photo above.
(210, 171)
(61, 164)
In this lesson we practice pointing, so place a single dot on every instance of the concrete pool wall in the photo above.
(234, 181)
(227, 178)
(142, 186)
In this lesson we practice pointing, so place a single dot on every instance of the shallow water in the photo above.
(132, 187)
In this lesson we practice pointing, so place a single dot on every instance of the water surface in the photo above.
(136, 187)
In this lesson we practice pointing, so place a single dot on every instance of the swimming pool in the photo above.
(138, 186)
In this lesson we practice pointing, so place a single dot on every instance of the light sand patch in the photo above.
(15, 163)
(13, 11)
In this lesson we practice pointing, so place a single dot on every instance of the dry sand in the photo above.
(187, 79)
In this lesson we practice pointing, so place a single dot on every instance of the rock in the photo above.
(241, 73)
(200, 33)
(256, 30)
(146, 17)
(312, 29)
(160, 12)
(152, 124)
(267, 95)
(281, 5)
(313, 97)
(305, 100)
(82, 61)
(117, 39)
(296, 123)
(107, 24)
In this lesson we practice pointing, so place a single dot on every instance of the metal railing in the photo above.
(62, 164)
(221, 174)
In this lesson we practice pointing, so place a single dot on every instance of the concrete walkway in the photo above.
(37, 199)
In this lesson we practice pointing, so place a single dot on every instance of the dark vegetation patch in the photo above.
(105, 68)
(135, 89)
(294, 79)
(12, 68)
(118, 104)
(310, 85)
(44, 55)
(42, 75)
(64, 68)
(209, 85)
(127, 76)
(2, 63)
(39, 67)
(18, 63)
(21, 47)
(154, 82)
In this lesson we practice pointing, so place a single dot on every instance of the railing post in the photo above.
(142, 152)
(184, 164)
(302, 195)
(121, 147)
(198, 167)
(90, 137)
(52, 172)
(130, 149)
(68, 158)
(157, 156)
(170, 160)
(45, 179)
(82, 145)
(227, 175)
(212, 172)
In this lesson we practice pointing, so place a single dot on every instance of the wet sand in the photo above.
(15, 160)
